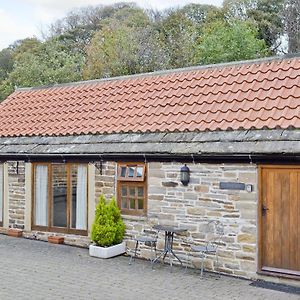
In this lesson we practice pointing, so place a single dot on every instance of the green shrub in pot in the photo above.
(108, 228)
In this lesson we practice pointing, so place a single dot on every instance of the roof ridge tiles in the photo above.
(209, 67)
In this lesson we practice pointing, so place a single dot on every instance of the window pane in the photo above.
(139, 171)
(79, 197)
(124, 190)
(132, 203)
(41, 195)
(132, 191)
(131, 171)
(140, 191)
(140, 203)
(123, 171)
(59, 195)
(124, 202)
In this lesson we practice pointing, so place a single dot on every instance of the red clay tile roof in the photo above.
(261, 94)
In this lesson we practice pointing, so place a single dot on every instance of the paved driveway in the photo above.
(39, 270)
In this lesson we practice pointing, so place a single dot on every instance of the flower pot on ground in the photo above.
(107, 231)
(15, 232)
(56, 239)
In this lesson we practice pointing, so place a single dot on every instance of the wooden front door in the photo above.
(279, 216)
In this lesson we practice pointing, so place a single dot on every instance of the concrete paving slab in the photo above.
(39, 270)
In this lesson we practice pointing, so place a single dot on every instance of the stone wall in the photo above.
(169, 202)
(105, 180)
(16, 193)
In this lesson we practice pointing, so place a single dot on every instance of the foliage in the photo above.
(292, 24)
(112, 52)
(122, 39)
(269, 21)
(49, 63)
(122, 48)
(6, 88)
(108, 228)
(76, 30)
(264, 14)
(230, 41)
(179, 34)
(199, 13)
(238, 8)
(6, 63)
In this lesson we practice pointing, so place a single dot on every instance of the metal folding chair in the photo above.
(149, 238)
(214, 236)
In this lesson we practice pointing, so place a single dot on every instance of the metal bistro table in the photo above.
(168, 248)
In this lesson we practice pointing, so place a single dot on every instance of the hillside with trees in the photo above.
(122, 39)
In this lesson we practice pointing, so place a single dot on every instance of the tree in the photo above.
(118, 49)
(6, 88)
(268, 19)
(6, 63)
(76, 30)
(126, 44)
(179, 35)
(238, 9)
(8, 58)
(266, 16)
(292, 24)
(199, 13)
(19, 47)
(230, 41)
(49, 63)
(111, 53)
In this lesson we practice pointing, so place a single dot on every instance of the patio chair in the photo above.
(149, 238)
(214, 235)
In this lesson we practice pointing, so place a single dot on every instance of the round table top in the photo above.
(169, 228)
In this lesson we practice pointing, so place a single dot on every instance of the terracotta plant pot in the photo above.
(15, 232)
(56, 239)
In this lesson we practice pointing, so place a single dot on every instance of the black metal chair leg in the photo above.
(135, 251)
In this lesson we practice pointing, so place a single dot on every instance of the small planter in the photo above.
(107, 252)
(56, 239)
(15, 232)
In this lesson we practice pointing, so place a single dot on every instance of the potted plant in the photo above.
(108, 230)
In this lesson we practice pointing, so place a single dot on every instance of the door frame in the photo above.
(260, 222)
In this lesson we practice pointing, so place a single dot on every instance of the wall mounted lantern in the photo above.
(185, 175)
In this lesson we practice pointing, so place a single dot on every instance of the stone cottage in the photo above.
(236, 126)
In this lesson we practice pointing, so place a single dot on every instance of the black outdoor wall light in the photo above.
(185, 175)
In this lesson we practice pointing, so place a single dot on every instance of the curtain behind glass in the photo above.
(81, 197)
(41, 195)
(1, 193)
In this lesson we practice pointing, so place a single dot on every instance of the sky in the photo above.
(28, 18)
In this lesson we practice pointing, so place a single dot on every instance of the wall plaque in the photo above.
(232, 186)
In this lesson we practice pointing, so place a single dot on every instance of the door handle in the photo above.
(264, 210)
